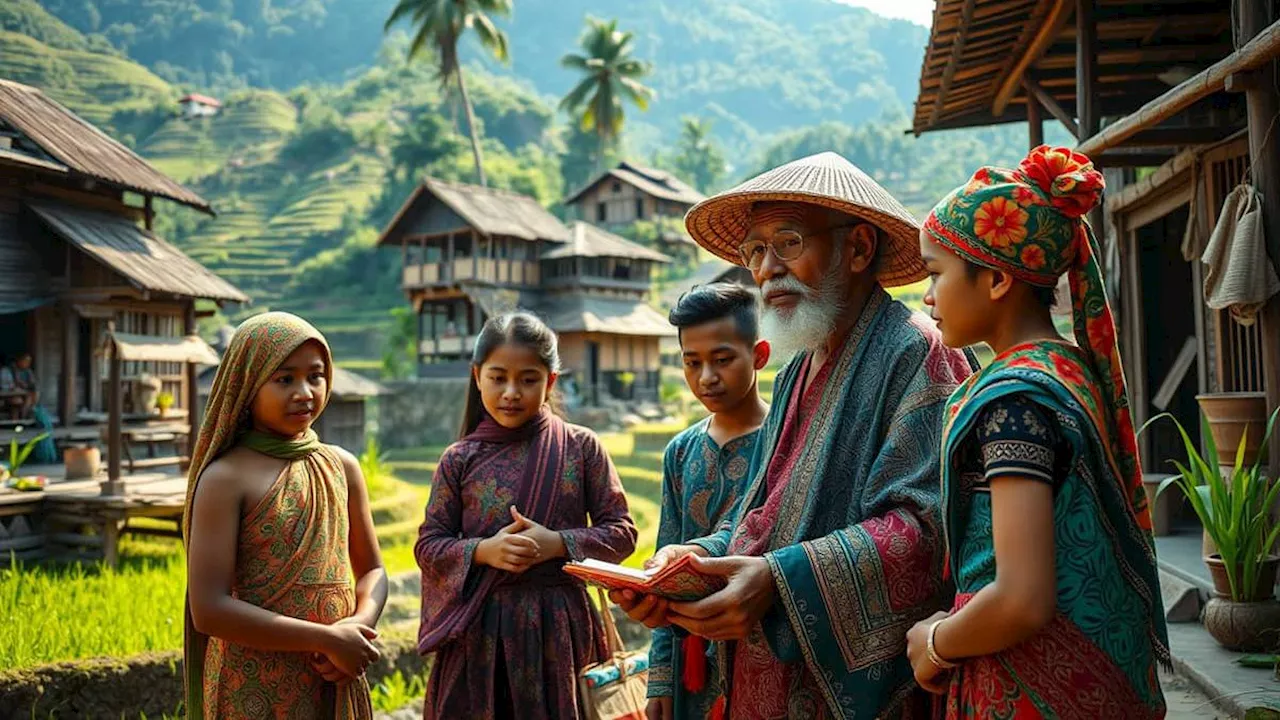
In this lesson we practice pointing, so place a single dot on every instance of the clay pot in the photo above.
(1232, 416)
(1243, 627)
(1264, 590)
(82, 462)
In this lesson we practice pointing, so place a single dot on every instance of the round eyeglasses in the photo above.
(787, 245)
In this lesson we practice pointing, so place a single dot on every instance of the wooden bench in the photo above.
(153, 439)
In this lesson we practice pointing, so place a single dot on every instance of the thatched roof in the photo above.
(587, 240)
(980, 51)
(437, 207)
(656, 183)
(51, 134)
(145, 260)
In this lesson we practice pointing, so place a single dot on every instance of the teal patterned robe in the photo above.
(854, 537)
(701, 484)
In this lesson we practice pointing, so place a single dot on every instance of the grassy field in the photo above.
(54, 612)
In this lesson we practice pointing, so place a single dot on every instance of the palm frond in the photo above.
(490, 36)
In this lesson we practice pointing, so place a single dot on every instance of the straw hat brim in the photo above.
(720, 223)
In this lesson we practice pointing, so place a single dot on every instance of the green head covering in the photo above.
(1029, 222)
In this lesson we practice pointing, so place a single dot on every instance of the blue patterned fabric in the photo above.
(1104, 566)
(701, 484)
(856, 549)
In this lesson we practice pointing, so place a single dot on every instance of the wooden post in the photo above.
(192, 381)
(148, 212)
(1263, 106)
(1087, 69)
(1089, 121)
(115, 411)
(475, 255)
(448, 263)
(70, 342)
(1035, 121)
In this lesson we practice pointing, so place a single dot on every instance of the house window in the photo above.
(617, 187)
(601, 212)
(640, 208)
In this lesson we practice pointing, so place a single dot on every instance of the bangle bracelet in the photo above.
(934, 657)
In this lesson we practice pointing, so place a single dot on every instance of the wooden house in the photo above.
(88, 289)
(628, 192)
(105, 307)
(196, 105)
(1174, 100)
(471, 252)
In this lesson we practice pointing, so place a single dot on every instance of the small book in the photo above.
(678, 581)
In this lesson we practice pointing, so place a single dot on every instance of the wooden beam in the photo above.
(1177, 137)
(148, 213)
(1263, 106)
(70, 343)
(1087, 114)
(1048, 102)
(1127, 159)
(1264, 47)
(957, 49)
(115, 411)
(1035, 121)
(1040, 42)
(192, 399)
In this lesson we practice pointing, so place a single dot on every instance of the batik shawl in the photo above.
(292, 554)
(501, 637)
(701, 484)
(856, 552)
(1099, 656)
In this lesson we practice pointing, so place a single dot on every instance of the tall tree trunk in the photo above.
(471, 129)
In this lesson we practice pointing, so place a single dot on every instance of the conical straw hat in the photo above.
(720, 223)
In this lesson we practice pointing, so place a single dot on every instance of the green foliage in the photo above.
(611, 76)
(54, 613)
(18, 455)
(26, 17)
(697, 158)
(377, 471)
(1235, 510)
(394, 692)
(399, 356)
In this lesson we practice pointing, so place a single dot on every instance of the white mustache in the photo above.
(786, 283)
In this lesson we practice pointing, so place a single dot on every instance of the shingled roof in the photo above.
(587, 240)
(489, 211)
(65, 139)
(145, 260)
(657, 183)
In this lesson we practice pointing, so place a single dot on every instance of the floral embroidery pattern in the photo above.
(1000, 223)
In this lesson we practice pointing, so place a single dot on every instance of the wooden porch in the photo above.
(75, 520)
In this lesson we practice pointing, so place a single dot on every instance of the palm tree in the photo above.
(698, 158)
(612, 75)
(439, 24)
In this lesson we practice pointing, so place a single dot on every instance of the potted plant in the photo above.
(1235, 418)
(18, 456)
(164, 401)
(1234, 506)
(147, 393)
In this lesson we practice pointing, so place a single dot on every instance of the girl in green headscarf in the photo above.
(1058, 611)
(277, 526)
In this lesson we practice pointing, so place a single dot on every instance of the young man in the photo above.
(1057, 595)
(705, 467)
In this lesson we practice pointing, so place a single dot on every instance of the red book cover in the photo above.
(678, 581)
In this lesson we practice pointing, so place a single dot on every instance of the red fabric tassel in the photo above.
(717, 710)
(695, 663)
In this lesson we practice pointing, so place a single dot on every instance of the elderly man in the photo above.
(836, 549)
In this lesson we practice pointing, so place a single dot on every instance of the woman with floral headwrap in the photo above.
(1058, 610)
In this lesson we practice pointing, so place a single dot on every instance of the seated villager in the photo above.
(1058, 611)
(836, 547)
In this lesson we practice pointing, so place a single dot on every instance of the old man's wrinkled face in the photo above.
(804, 289)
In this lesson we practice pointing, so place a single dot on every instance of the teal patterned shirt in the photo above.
(702, 483)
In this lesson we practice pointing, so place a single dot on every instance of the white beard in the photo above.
(808, 325)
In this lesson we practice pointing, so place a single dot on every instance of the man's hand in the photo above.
(660, 708)
(671, 553)
(731, 613)
(928, 676)
(651, 610)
